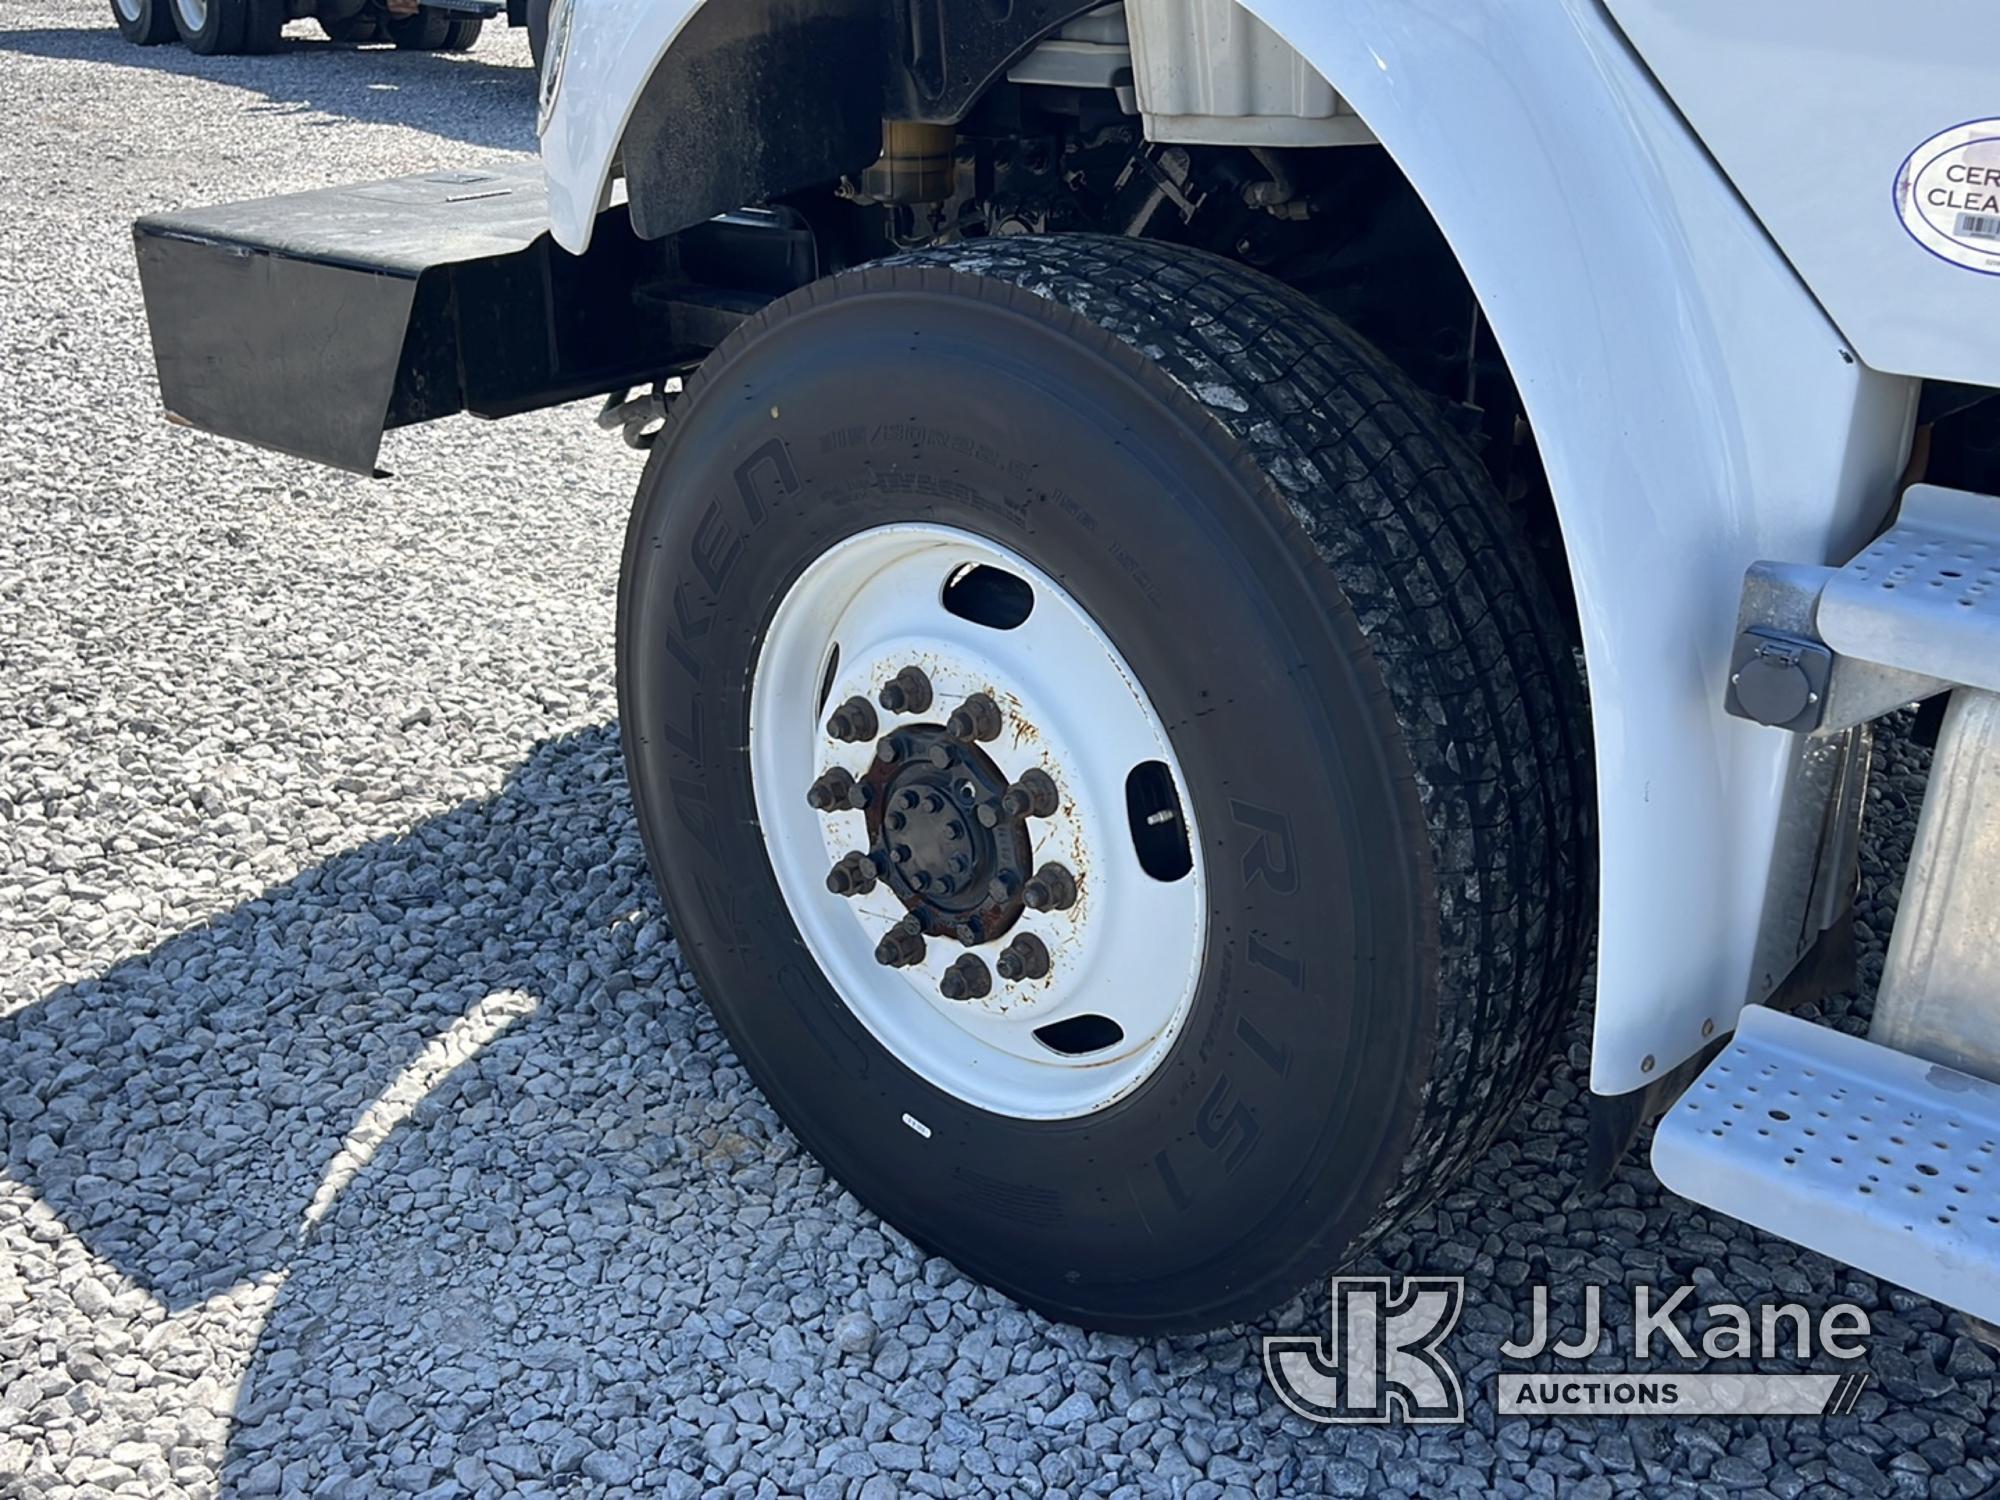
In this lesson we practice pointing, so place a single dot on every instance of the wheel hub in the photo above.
(958, 872)
(955, 800)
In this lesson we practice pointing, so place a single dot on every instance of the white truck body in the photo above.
(1697, 409)
(1742, 267)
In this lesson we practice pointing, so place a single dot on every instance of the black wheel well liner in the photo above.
(759, 98)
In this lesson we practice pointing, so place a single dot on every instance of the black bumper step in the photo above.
(313, 323)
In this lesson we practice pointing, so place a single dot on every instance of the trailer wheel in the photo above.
(462, 33)
(1111, 764)
(212, 28)
(145, 23)
(263, 25)
(356, 30)
(425, 31)
(537, 22)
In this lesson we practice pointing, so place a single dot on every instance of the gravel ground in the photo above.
(359, 1128)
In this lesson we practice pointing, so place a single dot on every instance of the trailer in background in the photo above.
(223, 27)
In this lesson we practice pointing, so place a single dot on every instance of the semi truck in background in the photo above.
(1199, 562)
(226, 27)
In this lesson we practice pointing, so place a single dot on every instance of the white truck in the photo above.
(1198, 561)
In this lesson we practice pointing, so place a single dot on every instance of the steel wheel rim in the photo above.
(193, 13)
(1130, 948)
(128, 10)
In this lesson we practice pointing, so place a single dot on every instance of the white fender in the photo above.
(1695, 409)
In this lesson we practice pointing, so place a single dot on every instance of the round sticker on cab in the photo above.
(1948, 196)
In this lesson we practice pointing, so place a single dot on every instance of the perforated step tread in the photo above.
(1925, 595)
(1874, 1157)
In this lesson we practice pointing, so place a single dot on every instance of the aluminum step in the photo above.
(1924, 596)
(1873, 1157)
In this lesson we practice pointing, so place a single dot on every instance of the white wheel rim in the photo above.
(1129, 949)
(194, 13)
(128, 9)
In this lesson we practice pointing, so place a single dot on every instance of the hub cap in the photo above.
(966, 812)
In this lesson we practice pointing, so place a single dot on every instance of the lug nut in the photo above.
(1033, 796)
(902, 946)
(895, 822)
(989, 814)
(967, 979)
(1003, 887)
(908, 692)
(853, 721)
(1027, 957)
(1052, 889)
(971, 932)
(855, 875)
(941, 756)
(888, 752)
(977, 718)
(836, 790)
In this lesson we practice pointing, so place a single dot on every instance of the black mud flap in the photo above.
(314, 323)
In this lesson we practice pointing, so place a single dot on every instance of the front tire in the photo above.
(1369, 705)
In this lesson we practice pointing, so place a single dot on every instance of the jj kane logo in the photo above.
(1384, 1360)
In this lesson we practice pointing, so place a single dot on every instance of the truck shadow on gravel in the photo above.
(457, 97)
(180, 1112)
(530, 1227)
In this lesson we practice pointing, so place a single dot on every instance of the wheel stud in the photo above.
(855, 875)
(967, 979)
(888, 752)
(977, 718)
(908, 692)
(1003, 887)
(1027, 957)
(1033, 796)
(853, 721)
(902, 946)
(836, 790)
(971, 932)
(895, 822)
(1052, 889)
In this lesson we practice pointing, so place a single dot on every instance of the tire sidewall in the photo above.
(1274, 1126)
(423, 32)
(221, 31)
(537, 22)
(153, 25)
